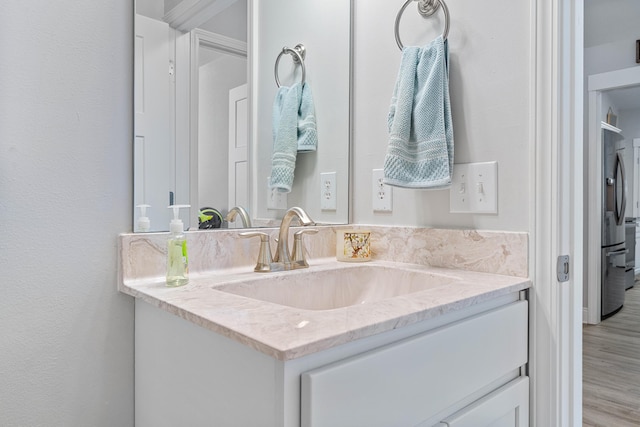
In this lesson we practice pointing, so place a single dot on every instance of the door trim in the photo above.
(557, 224)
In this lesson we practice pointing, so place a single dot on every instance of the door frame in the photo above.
(557, 224)
(201, 38)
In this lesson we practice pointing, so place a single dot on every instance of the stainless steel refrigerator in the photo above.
(614, 199)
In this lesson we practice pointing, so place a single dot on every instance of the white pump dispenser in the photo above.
(143, 220)
(177, 259)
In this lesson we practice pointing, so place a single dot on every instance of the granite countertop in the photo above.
(287, 333)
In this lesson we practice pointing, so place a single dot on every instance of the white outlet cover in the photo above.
(382, 195)
(328, 188)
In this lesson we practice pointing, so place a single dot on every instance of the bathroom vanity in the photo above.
(220, 352)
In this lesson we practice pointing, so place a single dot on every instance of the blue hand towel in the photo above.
(285, 137)
(307, 131)
(420, 151)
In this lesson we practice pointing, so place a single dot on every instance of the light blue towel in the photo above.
(420, 151)
(285, 137)
(307, 131)
(294, 131)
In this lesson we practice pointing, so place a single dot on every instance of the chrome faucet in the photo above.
(283, 255)
(231, 216)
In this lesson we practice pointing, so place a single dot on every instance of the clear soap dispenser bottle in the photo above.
(177, 260)
(144, 224)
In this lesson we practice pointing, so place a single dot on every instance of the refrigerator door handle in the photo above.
(618, 252)
(622, 181)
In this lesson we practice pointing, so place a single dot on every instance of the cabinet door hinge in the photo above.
(563, 268)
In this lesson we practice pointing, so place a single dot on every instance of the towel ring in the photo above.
(426, 9)
(298, 53)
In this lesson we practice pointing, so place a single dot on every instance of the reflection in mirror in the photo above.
(219, 124)
(324, 28)
(203, 108)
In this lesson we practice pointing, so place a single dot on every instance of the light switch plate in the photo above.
(328, 200)
(382, 195)
(459, 191)
(474, 188)
(275, 199)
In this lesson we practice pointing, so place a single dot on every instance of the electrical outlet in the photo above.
(328, 201)
(275, 199)
(382, 194)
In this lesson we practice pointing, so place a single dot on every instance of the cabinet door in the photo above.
(506, 407)
(413, 380)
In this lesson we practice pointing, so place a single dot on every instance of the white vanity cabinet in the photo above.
(414, 380)
(462, 368)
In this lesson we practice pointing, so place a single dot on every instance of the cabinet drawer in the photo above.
(506, 407)
(412, 380)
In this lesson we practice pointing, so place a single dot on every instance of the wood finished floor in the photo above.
(611, 367)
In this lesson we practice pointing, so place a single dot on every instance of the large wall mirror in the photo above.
(204, 90)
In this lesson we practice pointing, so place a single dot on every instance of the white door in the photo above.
(238, 150)
(154, 170)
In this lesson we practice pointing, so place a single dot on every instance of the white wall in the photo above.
(66, 334)
(489, 48)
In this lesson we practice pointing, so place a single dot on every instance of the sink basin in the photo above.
(343, 287)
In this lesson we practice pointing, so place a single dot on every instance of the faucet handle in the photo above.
(298, 257)
(263, 265)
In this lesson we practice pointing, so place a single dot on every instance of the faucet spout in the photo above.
(239, 210)
(283, 255)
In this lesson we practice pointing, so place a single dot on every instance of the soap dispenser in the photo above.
(144, 224)
(177, 260)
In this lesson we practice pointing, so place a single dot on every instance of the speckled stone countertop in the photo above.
(485, 265)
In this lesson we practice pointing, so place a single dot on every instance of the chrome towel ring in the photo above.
(298, 53)
(426, 9)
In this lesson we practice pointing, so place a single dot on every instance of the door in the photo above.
(238, 150)
(154, 165)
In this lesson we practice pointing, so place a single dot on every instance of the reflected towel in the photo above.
(285, 137)
(307, 133)
(420, 151)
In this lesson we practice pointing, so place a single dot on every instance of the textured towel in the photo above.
(285, 137)
(307, 133)
(420, 151)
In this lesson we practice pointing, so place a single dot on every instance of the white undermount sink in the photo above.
(342, 287)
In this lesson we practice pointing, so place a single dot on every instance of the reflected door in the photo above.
(154, 166)
(238, 153)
